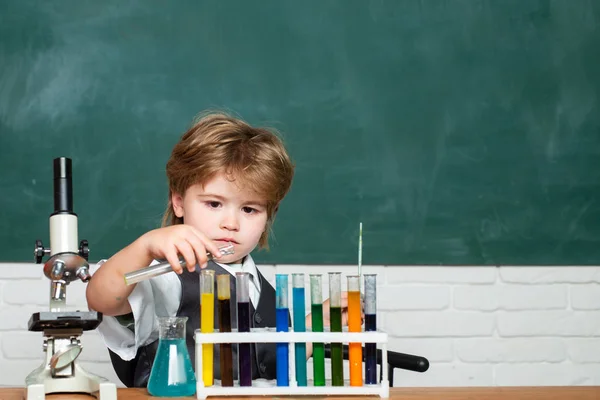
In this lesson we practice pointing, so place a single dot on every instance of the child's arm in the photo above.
(107, 292)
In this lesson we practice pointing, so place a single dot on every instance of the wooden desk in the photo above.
(472, 393)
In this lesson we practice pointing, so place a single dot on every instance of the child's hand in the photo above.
(344, 307)
(172, 241)
(327, 317)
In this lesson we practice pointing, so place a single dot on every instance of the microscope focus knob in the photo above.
(38, 251)
(84, 249)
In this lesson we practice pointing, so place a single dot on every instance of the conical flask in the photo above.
(172, 374)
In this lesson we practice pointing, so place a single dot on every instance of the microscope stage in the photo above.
(85, 320)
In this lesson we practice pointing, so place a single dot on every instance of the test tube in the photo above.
(370, 325)
(299, 300)
(354, 325)
(316, 307)
(242, 291)
(282, 322)
(335, 318)
(226, 354)
(162, 268)
(207, 322)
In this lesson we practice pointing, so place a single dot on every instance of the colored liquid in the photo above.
(370, 351)
(337, 367)
(244, 354)
(299, 326)
(318, 348)
(283, 362)
(172, 374)
(355, 349)
(226, 351)
(207, 325)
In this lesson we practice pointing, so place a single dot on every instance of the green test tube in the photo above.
(335, 318)
(316, 307)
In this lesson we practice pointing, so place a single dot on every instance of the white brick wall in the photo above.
(478, 326)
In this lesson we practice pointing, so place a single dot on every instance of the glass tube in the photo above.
(226, 354)
(207, 322)
(335, 318)
(163, 268)
(282, 314)
(316, 299)
(242, 291)
(354, 325)
(370, 325)
(299, 304)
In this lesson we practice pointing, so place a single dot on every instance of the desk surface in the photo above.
(491, 393)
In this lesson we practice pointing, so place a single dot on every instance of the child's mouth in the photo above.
(226, 241)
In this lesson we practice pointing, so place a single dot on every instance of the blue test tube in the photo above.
(298, 298)
(282, 323)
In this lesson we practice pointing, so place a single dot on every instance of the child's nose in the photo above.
(230, 221)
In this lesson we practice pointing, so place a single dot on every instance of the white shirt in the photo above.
(158, 297)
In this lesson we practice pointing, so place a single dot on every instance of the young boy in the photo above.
(226, 181)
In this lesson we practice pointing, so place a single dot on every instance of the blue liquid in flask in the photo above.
(172, 374)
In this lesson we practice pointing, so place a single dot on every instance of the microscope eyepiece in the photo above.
(63, 186)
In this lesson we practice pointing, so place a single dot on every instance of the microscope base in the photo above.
(41, 382)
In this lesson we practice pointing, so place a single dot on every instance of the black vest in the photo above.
(135, 373)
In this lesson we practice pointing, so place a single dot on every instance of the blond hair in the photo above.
(218, 143)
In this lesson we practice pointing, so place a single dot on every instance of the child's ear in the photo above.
(177, 201)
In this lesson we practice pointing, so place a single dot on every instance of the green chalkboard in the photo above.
(458, 132)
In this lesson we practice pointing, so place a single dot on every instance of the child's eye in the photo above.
(249, 210)
(213, 204)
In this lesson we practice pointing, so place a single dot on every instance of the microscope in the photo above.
(67, 262)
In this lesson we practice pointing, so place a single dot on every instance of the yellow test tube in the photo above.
(207, 322)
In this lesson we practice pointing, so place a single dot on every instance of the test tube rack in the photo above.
(269, 387)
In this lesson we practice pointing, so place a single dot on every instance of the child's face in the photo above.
(224, 213)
